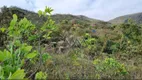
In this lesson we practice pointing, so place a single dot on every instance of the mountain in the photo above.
(137, 17)
(7, 12)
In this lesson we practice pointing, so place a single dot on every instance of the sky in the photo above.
(97, 9)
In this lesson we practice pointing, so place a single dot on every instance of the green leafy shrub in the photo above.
(89, 44)
(109, 68)
(18, 51)
(131, 37)
(111, 47)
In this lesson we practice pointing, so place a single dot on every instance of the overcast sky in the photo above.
(98, 9)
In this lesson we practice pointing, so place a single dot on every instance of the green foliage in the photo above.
(40, 75)
(47, 10)
(45, 57)
(49, 26)
(2, 29)
(18, 50)
(131, 38)
(13, 59)
(5, 55)
(27, 48)
(21, 30)
(31, 55)
(132, 31)
(109, 67)
(111, 47)
(89, 44)
(19, 74)
(1, 73)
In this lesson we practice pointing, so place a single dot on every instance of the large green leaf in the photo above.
(26, 48)
(31, 55)
(40, 13)
(48, 10)
(41, 75)
(14, 20)
(19, 74)
(1, 73)
(5, 55)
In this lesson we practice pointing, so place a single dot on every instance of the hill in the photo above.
(137, 17)
(7, 12)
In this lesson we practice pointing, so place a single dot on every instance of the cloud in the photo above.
(19, 3)
(98, 9)
(62, 6)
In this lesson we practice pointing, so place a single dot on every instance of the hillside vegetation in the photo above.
(45, 46)
(137, 18)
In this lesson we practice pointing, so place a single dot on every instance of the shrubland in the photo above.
(69, 49)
